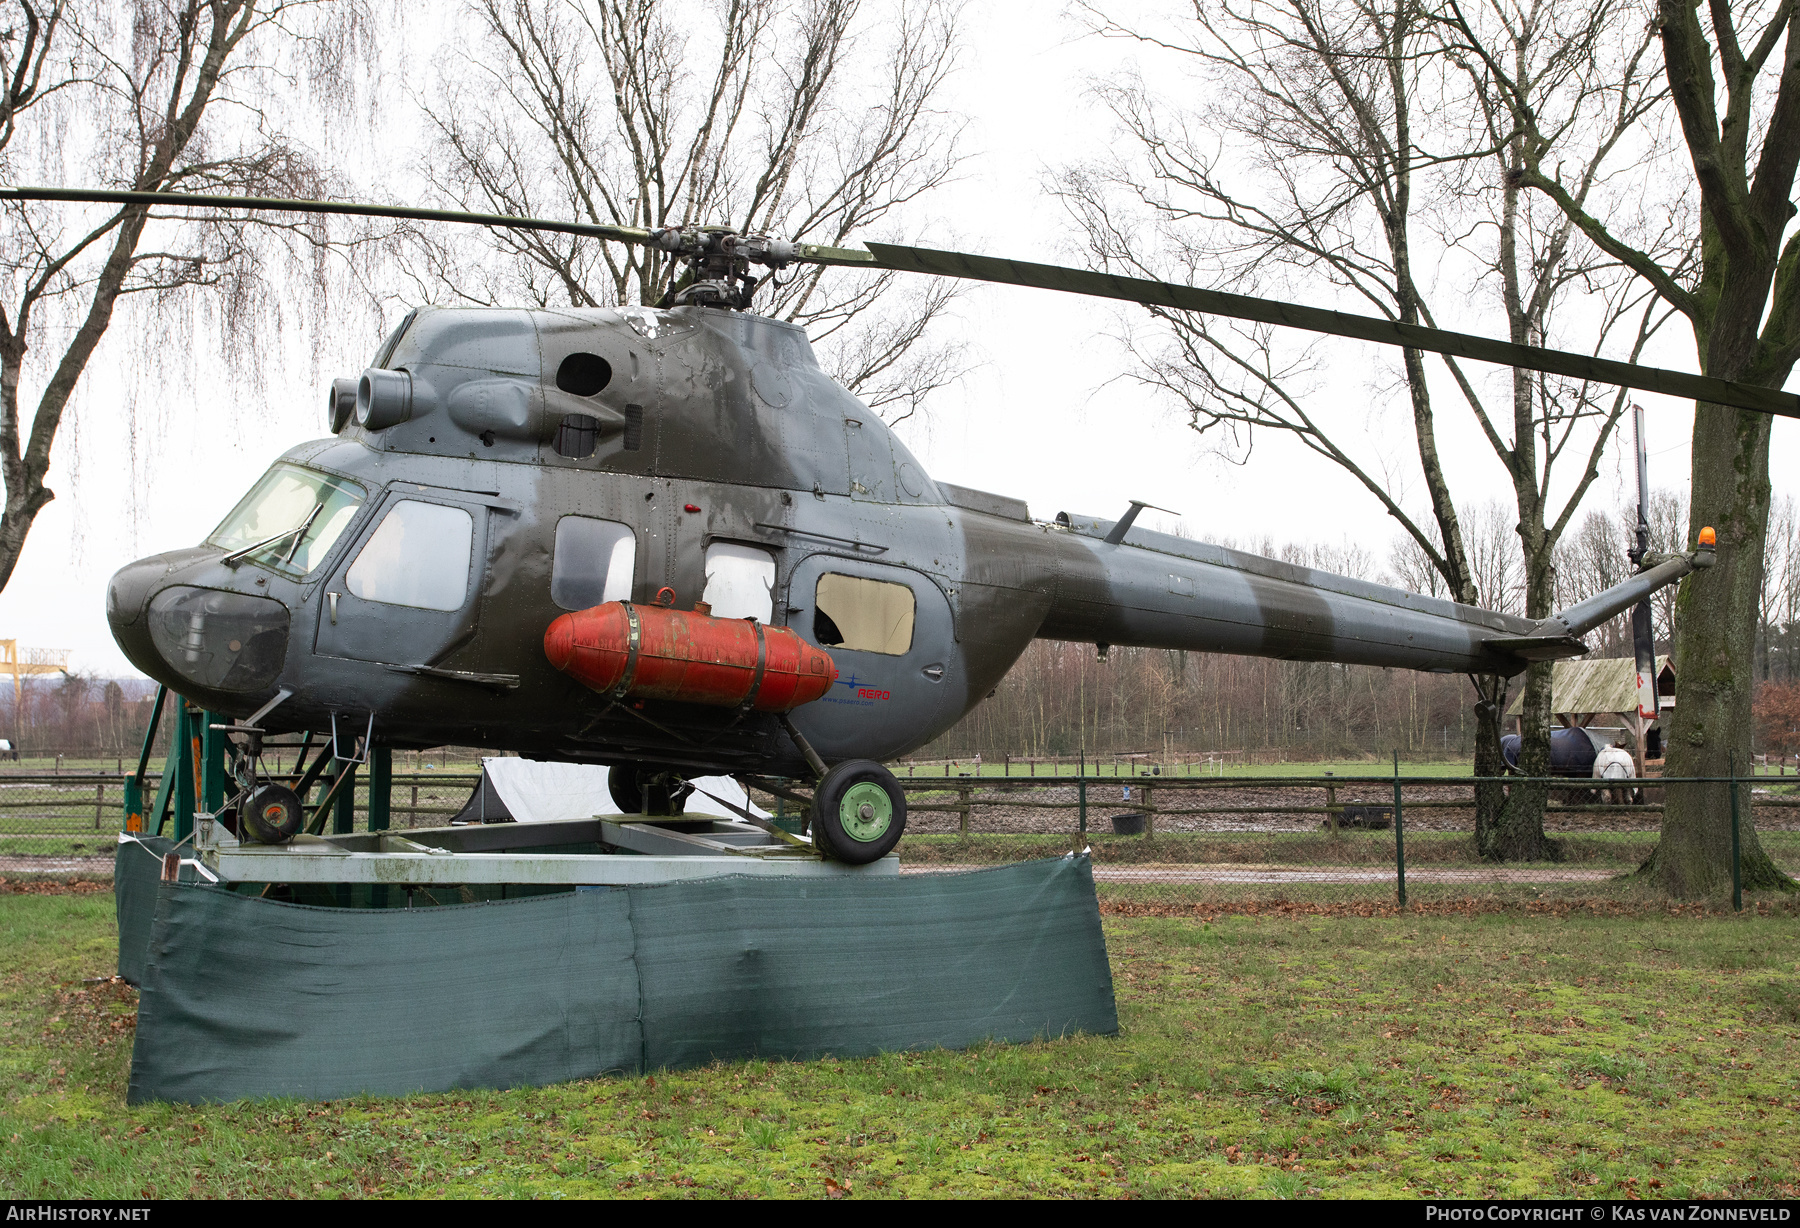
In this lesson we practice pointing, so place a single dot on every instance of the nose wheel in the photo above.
(858, 812)
(264, 811)
(271, 813)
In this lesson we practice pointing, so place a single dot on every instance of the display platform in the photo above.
(248, 996)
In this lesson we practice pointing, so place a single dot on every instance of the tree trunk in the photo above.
(1517, 834)
(1710, 730)
(1490, 794)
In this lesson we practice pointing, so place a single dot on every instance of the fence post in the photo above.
(1149, 815)
(1331, 806)
(99, 804)
(1737, 869)
(962, 793)
(1399, 836)
(1081, 803)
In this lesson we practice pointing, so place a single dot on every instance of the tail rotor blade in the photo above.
(1643, 630)
(1643, 643)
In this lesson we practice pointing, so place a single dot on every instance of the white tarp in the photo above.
(537, 792)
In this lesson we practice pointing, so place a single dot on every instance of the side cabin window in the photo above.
(419, 557)
(863, 615)
(594, 562)
(740, 581)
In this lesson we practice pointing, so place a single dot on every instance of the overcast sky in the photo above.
(1044, 415)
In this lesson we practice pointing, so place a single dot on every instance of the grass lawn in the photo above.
(1508, 1053)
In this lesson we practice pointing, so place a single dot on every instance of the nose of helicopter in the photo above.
(195, 639)
(127, 593)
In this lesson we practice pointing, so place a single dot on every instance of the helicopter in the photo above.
(663, 539)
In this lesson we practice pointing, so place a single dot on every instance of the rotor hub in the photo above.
(719, 261)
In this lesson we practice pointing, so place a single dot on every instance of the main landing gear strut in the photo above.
(857, 810)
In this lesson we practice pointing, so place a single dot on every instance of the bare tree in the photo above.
(1780, 598)
(1588, 561)
(1733, 85)
(816, 120)
(1668, 532)
(132, 99)
(1411, 567)
(1343, 167)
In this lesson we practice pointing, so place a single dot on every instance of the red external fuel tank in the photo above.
(649, 652)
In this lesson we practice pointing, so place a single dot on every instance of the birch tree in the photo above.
(130, 97)
(816, 120)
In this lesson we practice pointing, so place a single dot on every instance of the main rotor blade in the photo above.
(276, 204)
(1047, 277)
(1337, 324)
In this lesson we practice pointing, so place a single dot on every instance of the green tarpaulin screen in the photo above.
(246, 997)
(137, 872)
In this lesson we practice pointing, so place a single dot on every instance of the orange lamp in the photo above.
(1708, 539)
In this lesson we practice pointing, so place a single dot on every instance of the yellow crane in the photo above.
(30, 661)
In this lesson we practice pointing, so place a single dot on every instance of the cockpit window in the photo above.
(292, 518)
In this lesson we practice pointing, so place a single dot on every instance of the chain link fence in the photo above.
(1158, 841)
(1183, 843)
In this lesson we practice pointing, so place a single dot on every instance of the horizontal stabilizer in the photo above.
(1538, 647)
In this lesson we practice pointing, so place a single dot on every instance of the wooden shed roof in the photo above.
(1608, 685)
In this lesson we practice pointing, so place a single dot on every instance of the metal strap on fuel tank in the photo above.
(634, 643)
(762, 660)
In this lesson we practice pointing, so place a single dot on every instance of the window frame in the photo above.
(630, 584)
(389, 506)
(912, 637)
(776, 577)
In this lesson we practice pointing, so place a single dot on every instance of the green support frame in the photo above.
(195, 776)
(343, 806)
(381, 785)
(136, 819)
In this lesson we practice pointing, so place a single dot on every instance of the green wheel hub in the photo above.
(866, 812)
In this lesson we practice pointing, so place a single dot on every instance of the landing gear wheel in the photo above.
(858, 813)
(271, 814)
(667, 792)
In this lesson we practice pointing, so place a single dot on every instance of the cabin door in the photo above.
(407, 594)
(889, 630)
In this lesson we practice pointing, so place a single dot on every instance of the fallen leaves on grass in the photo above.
(54, 886)
(1209, 909)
